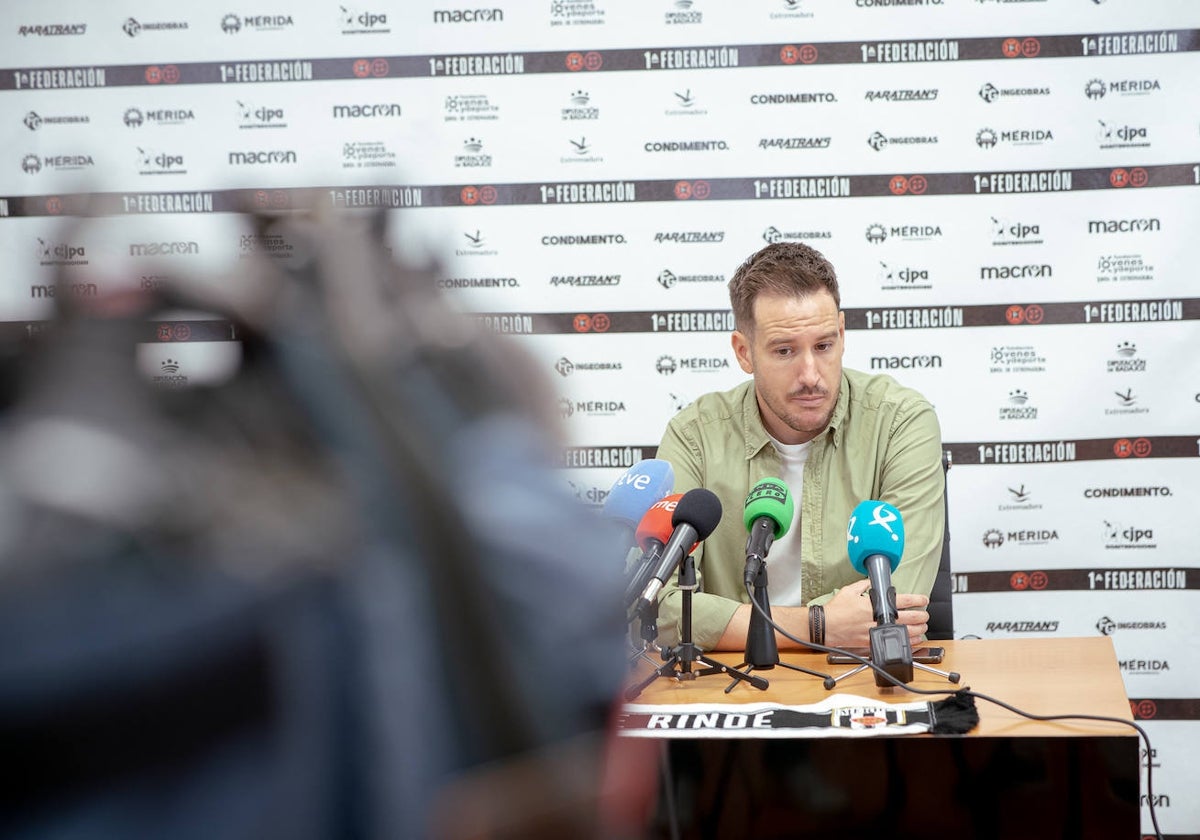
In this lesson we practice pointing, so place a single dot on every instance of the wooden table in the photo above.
(1009, 777)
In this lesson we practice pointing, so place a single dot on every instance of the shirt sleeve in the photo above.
(710, 613)
(913, 479)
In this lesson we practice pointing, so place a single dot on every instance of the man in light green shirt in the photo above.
(851, 435)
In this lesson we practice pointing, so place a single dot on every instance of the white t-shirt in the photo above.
(783, 560)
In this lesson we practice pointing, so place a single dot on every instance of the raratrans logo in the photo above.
(469, 107)
(473, 154)
(1121, 537)
(232, 24)
(1018, 407)
(137, 117)
(1023, 626)
(794, 143)
(669, 279)
(880, 141)
(1118, 135)
(1124, 359)
(32, 164)
(1005, 231)
(133, 27)
(990, 92)
(50, 30)
(35, 121)
(355, 21)
(264, 157)
(690, 237)
(989, 138)
(902, 95)
(580, 281)
(1021, 358)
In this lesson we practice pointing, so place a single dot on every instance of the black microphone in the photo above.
(696, 516)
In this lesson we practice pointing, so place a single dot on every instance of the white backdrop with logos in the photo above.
(1007, 189)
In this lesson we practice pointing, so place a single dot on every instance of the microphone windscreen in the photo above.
(699, 508)
(770, 498)
(656, 524)
(637, 489)
(875, 528)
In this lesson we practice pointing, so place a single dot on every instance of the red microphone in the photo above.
(651, 535)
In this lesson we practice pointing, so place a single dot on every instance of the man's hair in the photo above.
(785, 268)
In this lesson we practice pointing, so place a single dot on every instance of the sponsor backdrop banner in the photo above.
(1007, 188)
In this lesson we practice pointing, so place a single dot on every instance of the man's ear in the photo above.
(741, 349)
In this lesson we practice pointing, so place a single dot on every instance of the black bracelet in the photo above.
(816, 624)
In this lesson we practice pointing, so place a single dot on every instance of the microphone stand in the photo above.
(648, 630)
(891, 650)
(762, 652)
(678, 661)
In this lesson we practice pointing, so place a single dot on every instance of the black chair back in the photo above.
(941, 606)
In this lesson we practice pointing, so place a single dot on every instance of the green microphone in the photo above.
(768, 516)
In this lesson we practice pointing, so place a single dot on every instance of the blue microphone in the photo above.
(875, 543)
(633, 494)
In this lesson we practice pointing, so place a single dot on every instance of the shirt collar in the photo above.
(755, 434)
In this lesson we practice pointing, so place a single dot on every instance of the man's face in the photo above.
(794, 352)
